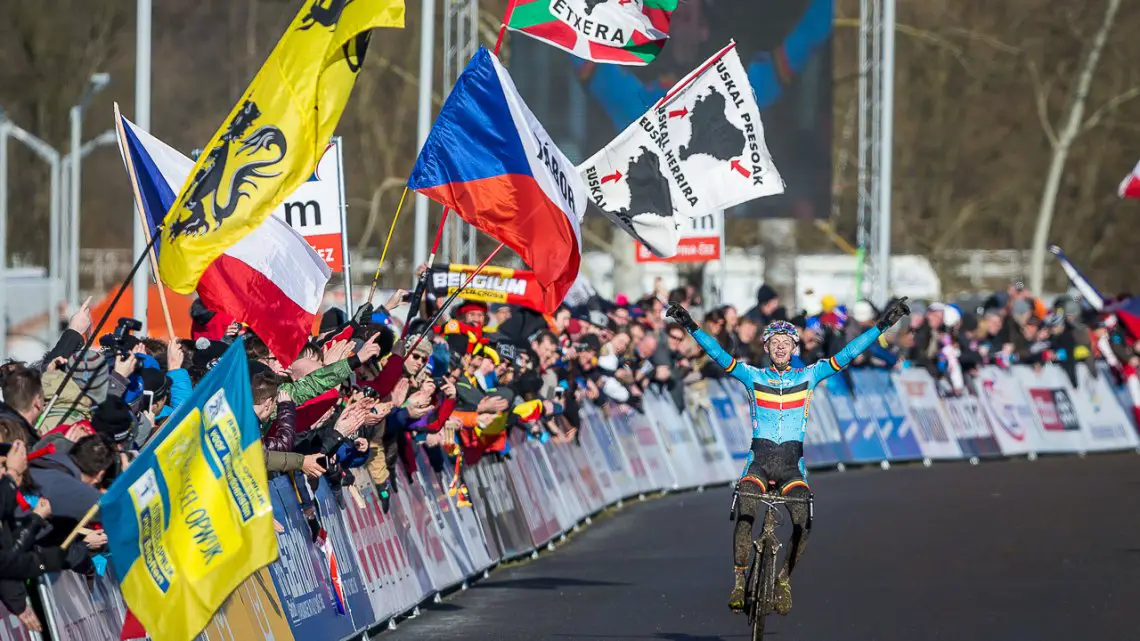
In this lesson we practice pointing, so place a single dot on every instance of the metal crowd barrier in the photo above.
(391, 563)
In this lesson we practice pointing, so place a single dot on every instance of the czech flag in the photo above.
(271, 279)
(490, 160)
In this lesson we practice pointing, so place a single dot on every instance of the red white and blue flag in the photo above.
(271, 279)
(490, 160)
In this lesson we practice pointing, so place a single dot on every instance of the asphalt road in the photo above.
(1007, 550)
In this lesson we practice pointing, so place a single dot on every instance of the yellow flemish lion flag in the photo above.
(191, 518)
(275, 135)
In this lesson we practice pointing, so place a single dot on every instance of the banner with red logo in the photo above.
(699, 241)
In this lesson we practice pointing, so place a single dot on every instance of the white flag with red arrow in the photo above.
(1130, 186)
(699, 150)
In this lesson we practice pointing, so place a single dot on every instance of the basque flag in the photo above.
(490, 160)
(271, 279)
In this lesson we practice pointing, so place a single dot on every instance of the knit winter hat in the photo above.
(92, 374)
(114, 419)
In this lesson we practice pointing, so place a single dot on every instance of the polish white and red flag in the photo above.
(272, 280)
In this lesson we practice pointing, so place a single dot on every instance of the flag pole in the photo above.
(79, 527)
(503, 26)
(421, 282)
(95, 331)
(455, 294)
(384, 253)
(142, 221)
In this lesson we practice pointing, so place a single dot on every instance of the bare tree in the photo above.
(1061, 140)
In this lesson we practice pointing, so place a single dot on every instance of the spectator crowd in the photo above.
(367, 390)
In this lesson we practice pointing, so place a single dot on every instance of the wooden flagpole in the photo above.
(142, 219)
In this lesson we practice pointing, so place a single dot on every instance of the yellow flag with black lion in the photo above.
(274, 136)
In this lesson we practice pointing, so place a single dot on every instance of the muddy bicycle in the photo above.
(760, 582)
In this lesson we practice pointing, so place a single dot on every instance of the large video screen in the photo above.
(785, 46)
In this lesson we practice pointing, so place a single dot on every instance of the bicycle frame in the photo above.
(761, 584)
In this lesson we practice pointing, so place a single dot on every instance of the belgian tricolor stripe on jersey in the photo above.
(774, 399)
(834, 363)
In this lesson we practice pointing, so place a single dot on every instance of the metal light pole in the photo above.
(95, 84)
(4, 127)
(141, 283)
(423, 123)
(70, 201)
(882, 283)
(48, 153)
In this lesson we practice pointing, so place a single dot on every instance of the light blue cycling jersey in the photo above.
(779, 399)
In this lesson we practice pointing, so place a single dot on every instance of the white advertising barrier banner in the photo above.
(1005, 404)
(652, 451)
(1106, 425)
(566, 473)
(425, 536)
(968, 417)
(541, 521)
(626, 441)
(917, 392)
(714, 453)
(315, 209)
(388, 577)
(1050, 398)
(736, 428)
(687, 458)
(556, 494)
(614, 458)
(596, 459)
(587, 474)
(822, 439)
(467, 521)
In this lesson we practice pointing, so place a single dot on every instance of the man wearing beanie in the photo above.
(767, 306)
(113, 419)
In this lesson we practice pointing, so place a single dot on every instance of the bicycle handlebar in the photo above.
(774, 498)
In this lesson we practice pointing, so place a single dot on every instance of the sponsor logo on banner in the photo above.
(1004, 410)
(700, 241)
(314, 210)
(1055, 409)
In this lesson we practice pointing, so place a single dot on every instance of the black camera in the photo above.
(122, 341)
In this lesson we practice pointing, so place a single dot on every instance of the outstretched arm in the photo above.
(709, 344)
(717, 353)
(825, 368)
(829, 366)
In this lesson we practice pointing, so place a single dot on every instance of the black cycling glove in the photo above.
(681, 316)
(895, 311)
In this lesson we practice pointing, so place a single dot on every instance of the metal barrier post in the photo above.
(48, 599)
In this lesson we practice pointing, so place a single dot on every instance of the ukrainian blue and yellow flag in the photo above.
(274, 137)
(191, 517)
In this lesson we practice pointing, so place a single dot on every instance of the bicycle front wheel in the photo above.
(764, 586)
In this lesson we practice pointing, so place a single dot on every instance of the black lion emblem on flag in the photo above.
(207, 186)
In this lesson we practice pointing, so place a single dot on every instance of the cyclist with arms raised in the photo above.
(779, 398)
